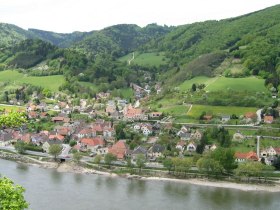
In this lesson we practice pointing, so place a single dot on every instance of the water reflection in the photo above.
(47, 189)
(78, 178)
(176, 189)
(137, 187)
(56, 176)
(111, 183)
(22, 167)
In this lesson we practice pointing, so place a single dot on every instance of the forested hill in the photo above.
(120, 39)
(11, 34)
(63, 40)
(250, 43)
(199, 48)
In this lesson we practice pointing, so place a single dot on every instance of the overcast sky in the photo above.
(87, 15)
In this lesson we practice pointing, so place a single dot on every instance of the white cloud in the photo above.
(86, 15)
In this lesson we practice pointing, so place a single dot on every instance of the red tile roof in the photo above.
(119, 149)
(93, 141)
(250, 115)
(248, 156)
(268, 119)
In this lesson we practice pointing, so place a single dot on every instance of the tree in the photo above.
(109, 157)
(11, 196)
(20, 147)
(250, 168)
(55, 150)
(140, 161)
(193, 87)
(97, 159)
(209, 165)
(168, 163)
(72, 143)
(13, 119)
(225, 156)
(77, 157)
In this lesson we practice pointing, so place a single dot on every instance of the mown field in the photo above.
(186, 85)
(251, 84)
(146, 59)
(196, 110)
(175, 110)
(49, 82)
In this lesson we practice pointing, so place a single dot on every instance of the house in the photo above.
(238, 137)
(56, 137)
(197, 135)
(207, 117)
(5, 138)
(250, 115)
(86, 133)
(131, 113)
(184, 135)
(191, 147)
(108, 132)
(147, 131)
(225, 118)
(92, 143)
(60, 119)
(102, 151)
(270, 151)
(242, 157)
(156, 151)
(118, 149)
(137, 127)
(155, 114)
(181, 145)
(268, 119)
(33, 115)
(139, 150)
(48, 143)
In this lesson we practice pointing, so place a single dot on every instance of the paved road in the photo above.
(12, 149)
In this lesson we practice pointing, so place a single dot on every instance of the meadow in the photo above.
(49, 82)
(196, 110)
(250, 84)
(146, 59)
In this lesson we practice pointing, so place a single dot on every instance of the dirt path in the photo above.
(129, 61)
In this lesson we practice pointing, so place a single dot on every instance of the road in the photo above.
(12, 149)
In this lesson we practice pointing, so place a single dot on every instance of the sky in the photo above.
(66, 16)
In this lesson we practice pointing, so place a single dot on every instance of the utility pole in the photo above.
(258, 146)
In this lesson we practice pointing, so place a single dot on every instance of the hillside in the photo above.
(236, 47)
(11, 34)
(59, 39)
(253, 38)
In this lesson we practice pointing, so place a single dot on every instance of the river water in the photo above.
(47, 189)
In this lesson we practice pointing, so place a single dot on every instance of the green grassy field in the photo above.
(11, 108)
(48, 82)
(146, 59)
(219, 110)
(251, 84)
(126, 92)
(196, 80)
(175, 110)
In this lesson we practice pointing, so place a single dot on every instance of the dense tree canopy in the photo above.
(11, 195)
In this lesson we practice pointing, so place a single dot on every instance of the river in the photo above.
(46, 189)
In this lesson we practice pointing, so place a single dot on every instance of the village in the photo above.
(114, 126)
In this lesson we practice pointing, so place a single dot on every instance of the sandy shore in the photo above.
(221, 184)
